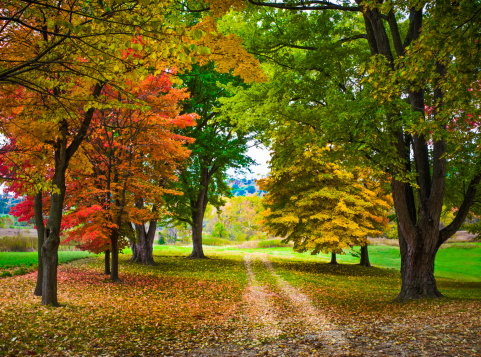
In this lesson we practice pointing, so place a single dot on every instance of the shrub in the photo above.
(216, 241)
(219, 231)
(271, 243)
(161, 240)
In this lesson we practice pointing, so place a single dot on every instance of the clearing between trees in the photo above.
(239, 303)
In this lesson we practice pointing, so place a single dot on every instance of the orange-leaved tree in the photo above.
(131, 153)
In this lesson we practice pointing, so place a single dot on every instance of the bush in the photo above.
(216, 241)
(161, 240)
(271, 243)
(219, 231)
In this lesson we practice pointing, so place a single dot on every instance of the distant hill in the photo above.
(245, 187)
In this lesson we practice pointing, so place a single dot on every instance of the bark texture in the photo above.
(107, 262)
(114, 243)
(142, 250)
(365, 257)
(198, 210)
(333, 259)
(37, 207)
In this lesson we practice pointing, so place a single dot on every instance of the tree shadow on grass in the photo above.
(348, 270)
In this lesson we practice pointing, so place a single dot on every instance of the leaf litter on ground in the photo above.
(231, 306)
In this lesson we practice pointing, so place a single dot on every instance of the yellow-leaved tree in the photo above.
(321, 206)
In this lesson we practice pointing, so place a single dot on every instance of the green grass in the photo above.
(457, 261)
(30, 259)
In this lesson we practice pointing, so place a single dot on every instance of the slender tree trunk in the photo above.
(403, 251)
(198, 210)
(365, 256)
(107, 262)
(333, 259)
(37, 207)
(145, 247)
(114, 243)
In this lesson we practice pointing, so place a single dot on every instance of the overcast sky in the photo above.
(261, 155)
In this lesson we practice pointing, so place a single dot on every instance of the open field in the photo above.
(241, 303)
(28, 259)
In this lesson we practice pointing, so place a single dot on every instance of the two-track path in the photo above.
(278, 320)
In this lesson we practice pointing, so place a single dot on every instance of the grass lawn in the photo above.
(458, 261)
(229, 306)
(30, 259)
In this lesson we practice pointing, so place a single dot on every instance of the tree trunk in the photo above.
(333, 259)
(418, 280)
(52, 237)
(198, 210)
(62, 155)
(114, 243)
(364, 257)
(50, 264)
(135, 252)
(107, 262)
(37, 207)
(145, 247)
(197, 250)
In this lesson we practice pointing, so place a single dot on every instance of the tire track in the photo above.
(315, 324)
(260, 310)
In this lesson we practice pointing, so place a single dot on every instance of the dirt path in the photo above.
(278, 320)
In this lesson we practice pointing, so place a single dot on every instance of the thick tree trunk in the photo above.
(50, 264)
(52, 237)
(145, 247)
(107, 262)
(197, 250)
(418, 275)
(37, 207)
(364, 257)
(114, 243)
(333, 259)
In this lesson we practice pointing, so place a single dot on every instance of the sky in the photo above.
(261, 156)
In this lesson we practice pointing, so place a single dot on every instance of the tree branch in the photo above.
(320, 5)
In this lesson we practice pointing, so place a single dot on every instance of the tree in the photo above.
(317, 204)
(59, 56)
(360, 73)
(131, 155)
(241, 216)
(218, 145)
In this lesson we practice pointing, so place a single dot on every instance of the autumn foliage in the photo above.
(320, 206)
